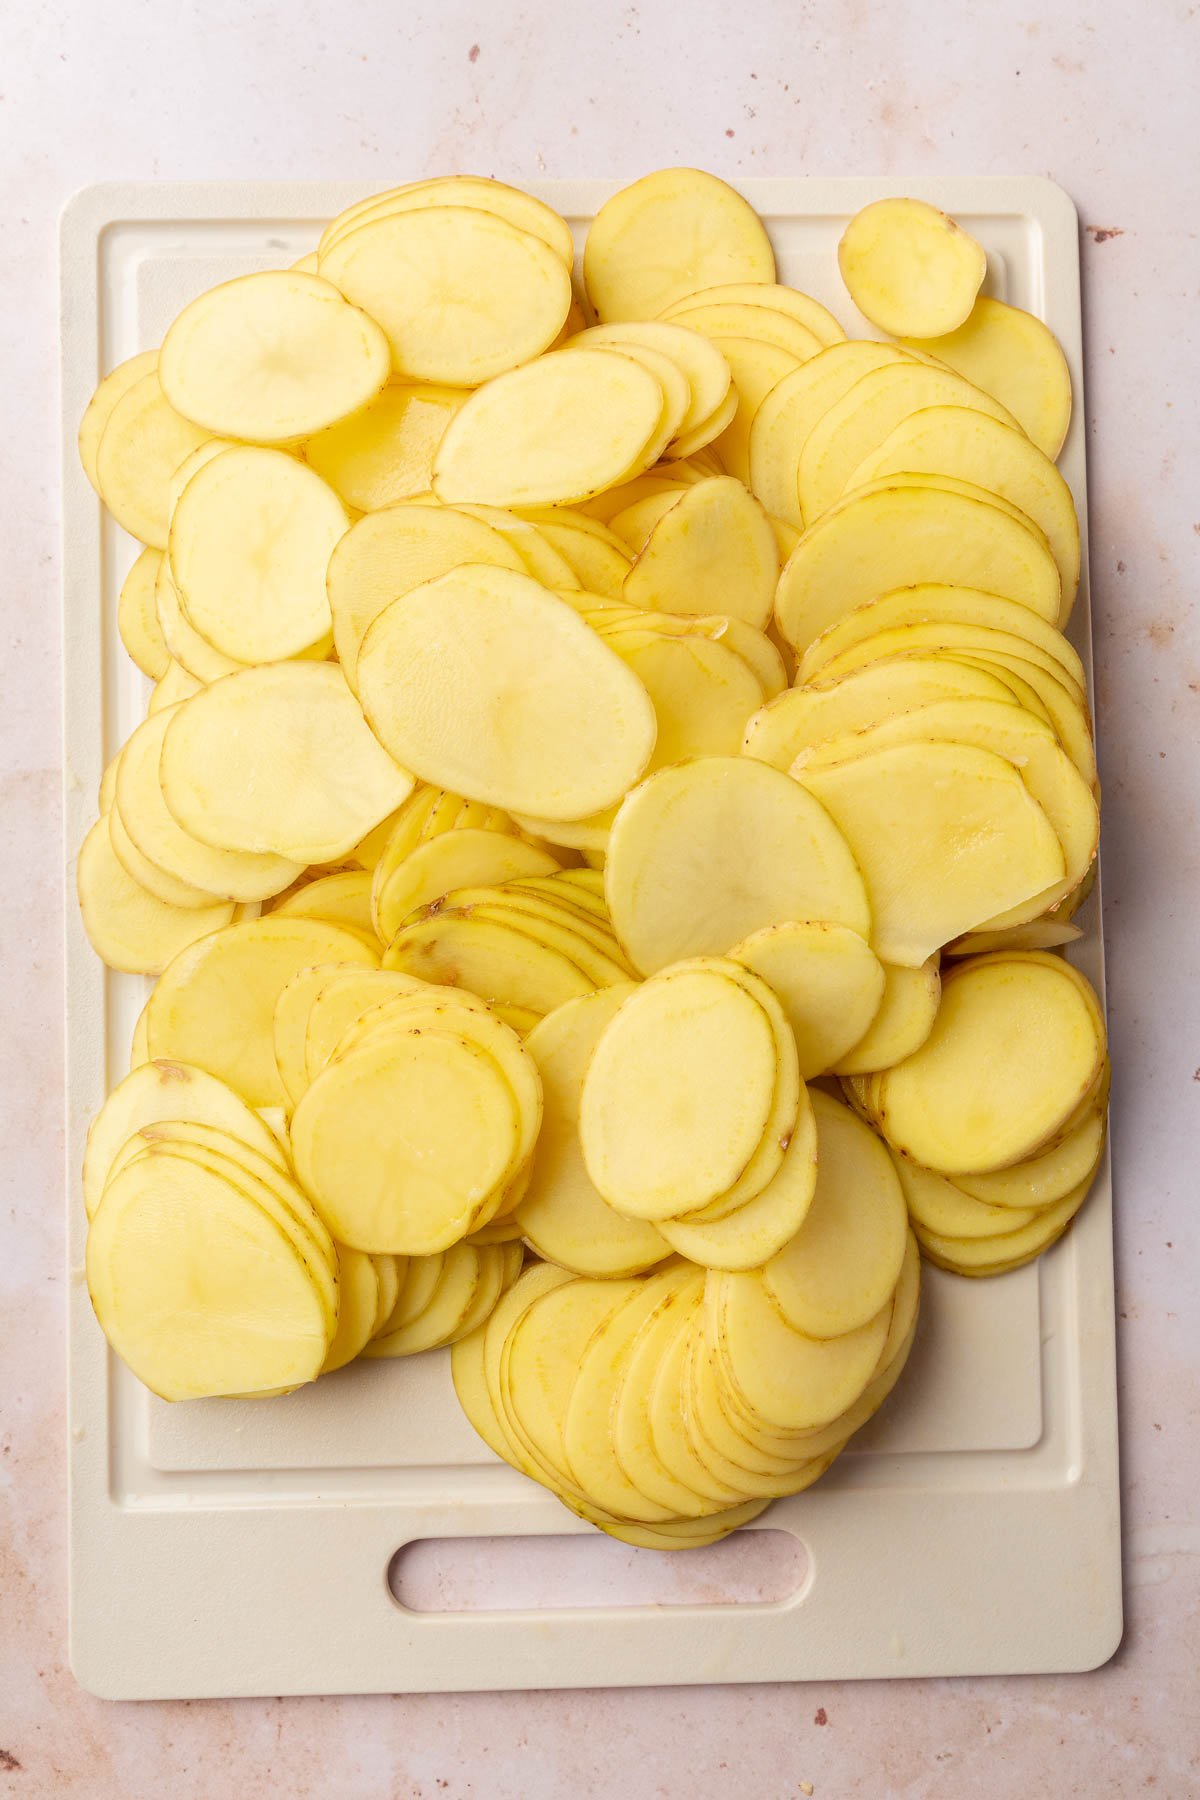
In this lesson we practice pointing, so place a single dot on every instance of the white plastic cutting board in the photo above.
(238, 1548)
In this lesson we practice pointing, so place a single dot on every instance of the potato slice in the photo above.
(516, 441)
(1017, 1044)
(631, 1426)
(342, 899)
(830, 982)
(671, 233)
(142, 444)
(251, 538)
(886, 536)
(215, 1003)
(137, 617)
(159, 1091)
(438, 674)
(909, 268)
(461, 294)
(500, 964)
(790, 301)
(703, 854)
(1013, 356)
(194, 654)
(394, 551)
(457, 859)
(562, 1214)
(712, 552)
(601, 965)
(339, 1001)
(279, 760)
(791, 1381)
(358, 1304)
(596, 556)
(701, 363)
(942, 833)
(904, 1020)
(759, 322)
(129, 928)
(197, 1289)
(479, 191)
(1039, 934)
(384, 453)
(1044, 1179)
(100, 407)
(678, 1094)
(805, 716)
(272, 357)
(139, 1047)
(441, 1318)
(757, 368)
(982, 1256)
(290, 1025)
(468, 1366)
(938, 1205)
(962, 441)
(175, 685)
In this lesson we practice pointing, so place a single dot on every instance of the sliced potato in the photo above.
(194, 654)
(272, 357)
(137, 617)
(787, 300)
(829, 979)
(461, 294)
(440, 673)
(909, 268)
(757, 368)
(384, 453)
(143, 443)
(903, 1022)
(1016, 358)
(175, 685)
(667, 235)
(128, 927)
(712, 552)
(451, 1302)
(719, 319)
(1008, 1250)
(481, 191)
(500, 963)
(358, 1305)
(1044, 1179)
(100, 407)
(457, 859)
(938, 1205)
(700, 361)
(791, 1381)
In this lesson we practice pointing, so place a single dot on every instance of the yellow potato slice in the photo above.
(438, 674)
(943, 832)
(272, 357)
(1018, 1043)
(417, 1289)
(829, 979)
(197, 1289)
(384, 453)
(633, 509)
(1043, 1179)
(705, 853)
(887, 536)
(479, 191)
(805, 716)
(712, 552)
(426, 814)
(500, 964)
(468, 1366)
(358, 1304)
(903, 1022)
(1013, 356)
(843, 1263)
(673, 1442)
(909, 268)
(290, 1024)
(403, 1141)
(536, 554)
(678, 1094)
(600, 964)
(757, 368)
(699, 361)
(493, 1279)
(195, 655)
(129, 928)
(137, 617)
(441, 1318)
(789, 1380)
(394, 551)
(631, 1426)
(790, 301)
(456, 859)
(215, 1003)
(461, 294)
(100, 407)
(175, 685)
(343, 899)
(251, 538)
(516, 441)
(938, 1205)
(139, 1047)
(143, 442)
(982, 1256)
(759, 322)
(745, 1237)
(343, 998)
(671, 233)
(595, 555)
(147, 874)
(279, 760)
(158, 1091)
(962, 441)
(391, 1271)
(562, 1214)
(693, 443)
(1039, 934)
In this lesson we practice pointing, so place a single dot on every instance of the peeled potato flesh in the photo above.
(904, 1020)
(504, 966)
(100, 407)
(700, 361)
(143, 442)
(703, 854)
(830, 982)
(137, 617)
(713, 552)
(791, 1380)
(1008, 1249)
(1013, 356)
(519, 208)
(909, 268)
(341, 999)
(195, 655)
(128, 927)
(1047, 1177)
(484, 683)
(939, 1205)
(1016, 1045)
(358, 1303)
(271, 357)
(384, 453)
(667, 235)
(439, 1321)
(342, 899)
(461, 294)
(279, 760)
(757, 368)
(720, 319)
(456, 859)
(787, 300)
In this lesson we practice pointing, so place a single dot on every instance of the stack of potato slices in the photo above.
(613, 789)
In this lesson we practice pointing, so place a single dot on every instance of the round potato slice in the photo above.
(1017, 1043)
(982, 1256)
(673, 1443)
(790, 301)
(384, 453)
(461, 294)
(250, 542)
(689, 870)
(712, 552)
(137, 617)
(757, 369)
(468, 1366)
(909, 268)
(279, 760)
(197, 1289)
(903, 1022)
(760, 323)
(176, 685)
(480, 191)
(143, 443)
(517, 442)
(937, 1204)
(491, 958)
(562, 1214)
(450, 1303)
(343, 899)
(340, 1000)
(699, 360)
(1045, 1178)
(667, 235)
(358, 1305)
(678, 1094)
(200, 659)
(440, 673)
(272, 357)
(215, 1003)
(100, 407)
(596, 555)
(1016, 358)
(789, 1380)
(829, 980)
(456, 859)
(129, 928)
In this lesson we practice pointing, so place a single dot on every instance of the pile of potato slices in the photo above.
(612, 797)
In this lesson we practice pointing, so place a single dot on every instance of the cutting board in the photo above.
(237, 1548)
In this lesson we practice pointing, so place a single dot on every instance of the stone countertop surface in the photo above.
(1099, 98)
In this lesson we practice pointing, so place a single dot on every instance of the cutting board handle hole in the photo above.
(516, 1574)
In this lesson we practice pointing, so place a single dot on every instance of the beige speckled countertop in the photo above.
(378, 92)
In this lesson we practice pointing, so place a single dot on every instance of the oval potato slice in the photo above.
(903, 1022)
(129, 928)
(909, 268)
(712, 552)
(670, 234)
(795, 305)
(481, 191)
(384, 453)
(700, 361)
(456, 859)
(99, 408)
(829, 980)
(143, 443)
(789, 1380)
(137, 617)
(1013, 356)
(1045, 1178)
